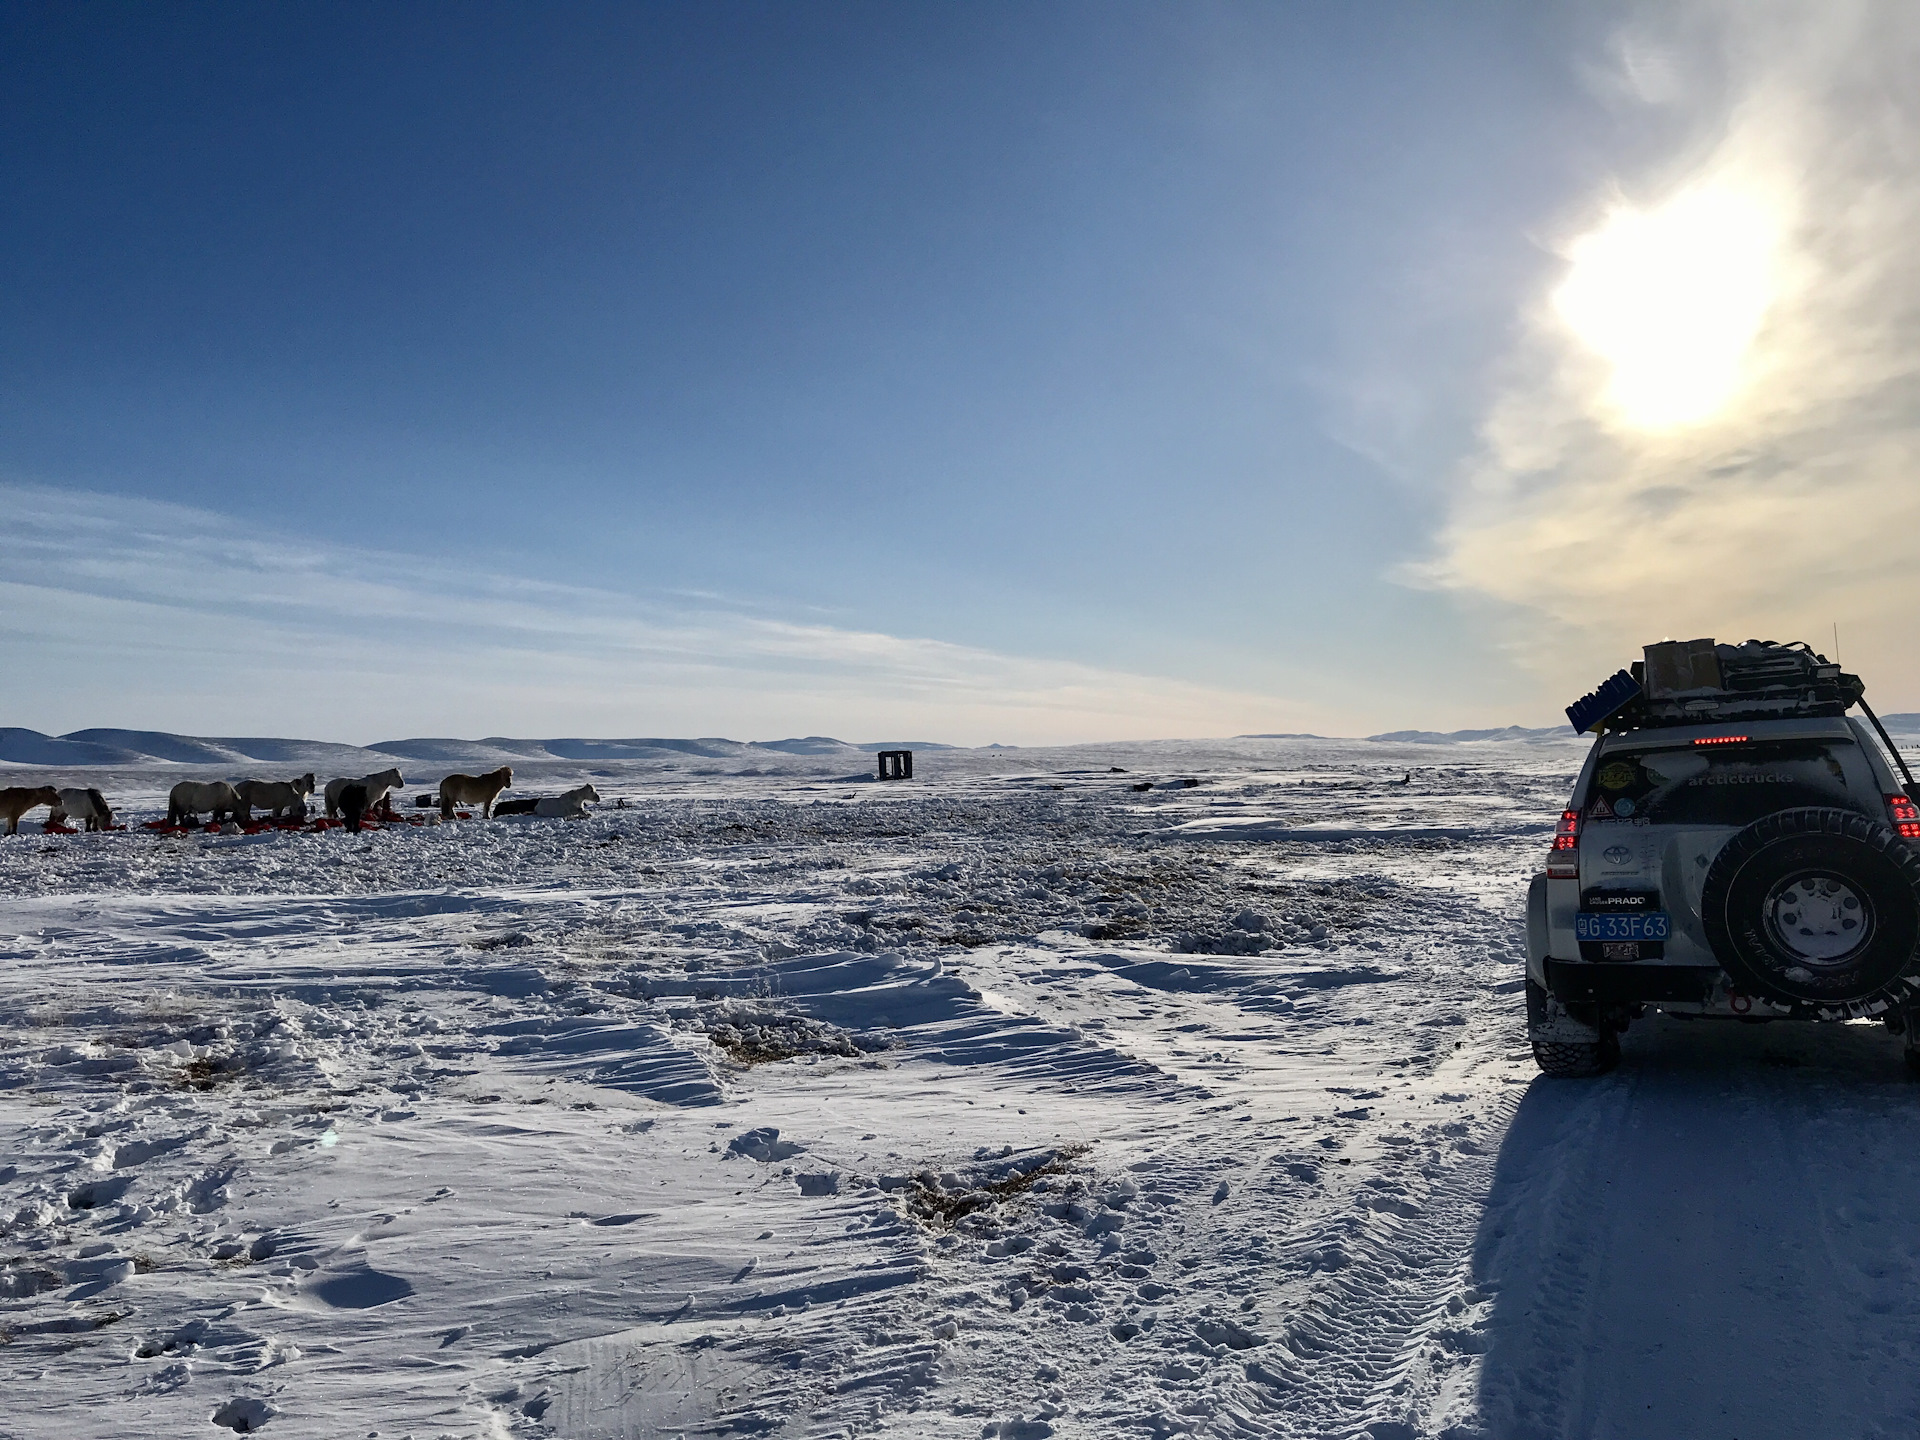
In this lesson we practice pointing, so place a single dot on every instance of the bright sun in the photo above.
(1671, 299)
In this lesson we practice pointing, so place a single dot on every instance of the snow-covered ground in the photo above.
(1010, 1101)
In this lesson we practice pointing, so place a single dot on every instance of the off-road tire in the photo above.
(1906, 1024)
(1868, 857)
(1566, 1061)
(1569, 1059)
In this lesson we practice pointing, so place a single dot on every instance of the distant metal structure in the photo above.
(896, 764)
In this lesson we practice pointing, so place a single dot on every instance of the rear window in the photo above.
(1721, 784)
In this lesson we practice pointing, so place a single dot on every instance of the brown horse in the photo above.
(481, 790)
(16, 800)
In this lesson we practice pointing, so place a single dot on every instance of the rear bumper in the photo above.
(1581, 982)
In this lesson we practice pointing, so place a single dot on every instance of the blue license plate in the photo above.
(1643, 925)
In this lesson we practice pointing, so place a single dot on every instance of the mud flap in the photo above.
(1551, 1022)
(1537, 940)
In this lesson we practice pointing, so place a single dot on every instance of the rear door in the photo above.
(1661, 806)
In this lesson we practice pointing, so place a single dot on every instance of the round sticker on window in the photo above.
(1623, 807)
(1616, 776)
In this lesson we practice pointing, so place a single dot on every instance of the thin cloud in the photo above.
(189, 623)
(1780, 493)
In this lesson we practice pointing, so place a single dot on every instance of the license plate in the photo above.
(1646, 925)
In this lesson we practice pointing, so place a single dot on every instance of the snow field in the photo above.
(1012, 1101)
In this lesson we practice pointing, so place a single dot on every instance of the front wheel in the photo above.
(1906, 1022)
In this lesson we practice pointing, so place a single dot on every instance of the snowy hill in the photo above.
(150, 747)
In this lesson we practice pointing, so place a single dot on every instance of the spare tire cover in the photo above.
(1815, 907)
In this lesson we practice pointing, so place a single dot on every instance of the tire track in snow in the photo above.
(1391, 1321)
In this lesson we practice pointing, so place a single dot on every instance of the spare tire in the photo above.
(1815, 908)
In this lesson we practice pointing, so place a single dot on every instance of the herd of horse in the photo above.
(349, 800)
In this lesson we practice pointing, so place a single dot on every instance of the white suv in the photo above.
(1706, 864)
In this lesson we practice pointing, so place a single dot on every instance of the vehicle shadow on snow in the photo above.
(1718, 1240)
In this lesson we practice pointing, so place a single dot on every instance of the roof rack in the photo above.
(1697, 682)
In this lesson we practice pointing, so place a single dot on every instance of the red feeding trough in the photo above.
(266, 823)
(316, 826)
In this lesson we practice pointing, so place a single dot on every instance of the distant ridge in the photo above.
(159, 747)
(1464, 737)
(655, 748)
(1905, 723)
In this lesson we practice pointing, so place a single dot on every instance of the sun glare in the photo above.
(1671, 298)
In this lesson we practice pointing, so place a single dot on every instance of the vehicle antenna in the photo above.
(1836, 642)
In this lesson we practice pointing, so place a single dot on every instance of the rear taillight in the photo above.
(1906, 816)
(1563, 861)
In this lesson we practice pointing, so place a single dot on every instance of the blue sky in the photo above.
(1058, 372)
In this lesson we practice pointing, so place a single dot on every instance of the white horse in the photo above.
(570, 806)
(481, 790)
(190, 800)
(88, 806)
(377, 787)
(279, 797)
